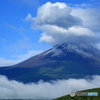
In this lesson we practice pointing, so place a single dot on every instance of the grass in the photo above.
(68, 97)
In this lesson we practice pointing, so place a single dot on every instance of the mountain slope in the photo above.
(61, 62)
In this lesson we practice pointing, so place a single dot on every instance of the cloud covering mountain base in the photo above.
(11, 89)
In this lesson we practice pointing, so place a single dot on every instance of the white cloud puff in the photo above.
(90, 17)
(12, 89)
(65, 24)
(56, 14)
(29, 18)
(57, 35)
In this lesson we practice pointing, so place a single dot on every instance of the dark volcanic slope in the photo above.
(61, 62)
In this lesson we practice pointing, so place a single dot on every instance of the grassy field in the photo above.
(68, 97)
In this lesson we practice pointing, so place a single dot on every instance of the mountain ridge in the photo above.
(60, 62)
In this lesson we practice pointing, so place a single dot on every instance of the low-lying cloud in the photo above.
(11, 89)
(6, 62)
(61, 23)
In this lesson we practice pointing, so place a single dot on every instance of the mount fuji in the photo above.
(63, 61)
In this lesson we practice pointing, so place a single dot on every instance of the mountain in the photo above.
(60, 62)
(68, 97)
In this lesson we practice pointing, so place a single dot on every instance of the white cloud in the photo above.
(57, 14)
(90, 17)
(6, 62)
(44, 90)
(29, 54)
(29, 18)
(65, 24)
(56, 35)
(19, 58)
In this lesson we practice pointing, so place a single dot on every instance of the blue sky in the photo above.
(18, 39)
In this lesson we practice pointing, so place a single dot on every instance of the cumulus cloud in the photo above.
(19, 58)
(12, 89)
(57, 14)
(29, 18)
(61, 23)
(57, 35)
(90, 17)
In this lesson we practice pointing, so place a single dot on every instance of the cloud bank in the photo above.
(61, 23)
(12, 89)
(7, 62)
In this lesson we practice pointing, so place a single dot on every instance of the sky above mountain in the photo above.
(29, 27)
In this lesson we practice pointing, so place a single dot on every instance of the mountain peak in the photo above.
(60, 62)
(61, 52)
(84, 50)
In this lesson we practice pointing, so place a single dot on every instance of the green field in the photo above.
(68, 97)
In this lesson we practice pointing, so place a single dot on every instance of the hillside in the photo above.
(67, 97)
